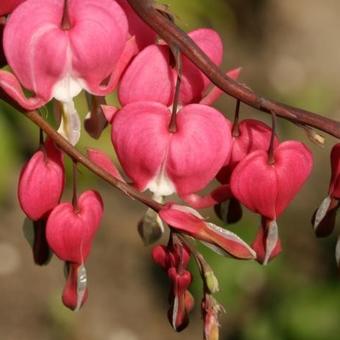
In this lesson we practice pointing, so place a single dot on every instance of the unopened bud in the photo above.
(150, 228)
(211, 282)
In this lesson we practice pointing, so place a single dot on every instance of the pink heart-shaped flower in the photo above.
(41, 182)
(267, 188)
(251, 135)
(151, 75)
(70, 231)
(165, 162)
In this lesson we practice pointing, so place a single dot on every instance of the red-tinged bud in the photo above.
(210, 311)
(189, 301)
(267, 243)
(180, 280)
(334, 187)
(41, 182)
(70, 230)
(160, 256)
(189, 221)
(105, 162)
(324, 217)
(75, 292)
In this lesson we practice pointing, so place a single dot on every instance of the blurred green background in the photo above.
(288, 51)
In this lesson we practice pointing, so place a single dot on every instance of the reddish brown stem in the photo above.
(174, 36)
(78, 157)
(65, 20)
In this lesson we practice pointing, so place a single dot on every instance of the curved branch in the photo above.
(175, 36)
(77, 156)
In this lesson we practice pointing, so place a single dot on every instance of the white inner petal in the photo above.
(70, 123)
(161, 185)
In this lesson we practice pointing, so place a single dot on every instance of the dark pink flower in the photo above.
(53, 60)
(325, 215)
(267, 187)
(165, 162)
(70, 230)
(189, 221)
(41, 182)
(152, 75)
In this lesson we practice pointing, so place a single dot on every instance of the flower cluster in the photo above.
(167, 135)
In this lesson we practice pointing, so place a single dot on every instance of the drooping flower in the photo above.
(247, 136)
(165, 162)
(152, 74)
(66, 46)
(174, 260)
(190, 222)
(70, 231)
(268, 186)
(324, 217)
(41, 182)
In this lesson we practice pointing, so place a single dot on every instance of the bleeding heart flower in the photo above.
(189, 221)
(41, 182)
(66, 46)
(325, 215)
(151, 76)
(70, 230)
(165, 162)
(248, 136)
(267, 187)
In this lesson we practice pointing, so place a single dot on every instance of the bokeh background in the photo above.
(289, 51)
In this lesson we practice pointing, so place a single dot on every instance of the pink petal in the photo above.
(291, 157)
(109, 112)
(35, 46)
(198, 148)
(143, 33)
(148, 78)
(141, 139)
(194, 82)
(42, 177)
(253, 135)
(104, 161)
(50, 61)
(267, 188)
(182, 219)
(7, 6)
(220, 194)
(10, 85)
(216, 92)
(70, 232)
(130, 50)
